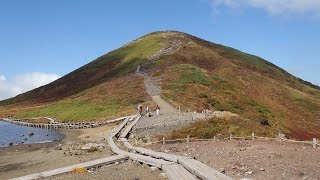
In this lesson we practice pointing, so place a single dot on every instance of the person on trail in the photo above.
(148, 111)
(139, 109)
(158, 109)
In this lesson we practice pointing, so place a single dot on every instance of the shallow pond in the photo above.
(12, 134)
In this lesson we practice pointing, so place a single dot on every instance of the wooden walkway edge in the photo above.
(89, 164)
(173, 170)
(181, 163)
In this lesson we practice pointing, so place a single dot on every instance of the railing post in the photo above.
(252, 136)
(314, 142)
(205, 113)
(230, 137)
(188, 139)
(163, 140)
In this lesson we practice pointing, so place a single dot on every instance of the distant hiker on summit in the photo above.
(158, 109)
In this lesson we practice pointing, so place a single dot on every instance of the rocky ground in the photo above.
(118, 171)
(253, 159)
(157, 125)
(238, 159)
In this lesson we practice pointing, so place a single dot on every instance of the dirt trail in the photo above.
(164, 106)
(154, 91)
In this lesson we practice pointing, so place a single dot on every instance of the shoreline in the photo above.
(20, 143)
(37, 145)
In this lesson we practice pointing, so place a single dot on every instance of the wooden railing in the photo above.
(314, 142)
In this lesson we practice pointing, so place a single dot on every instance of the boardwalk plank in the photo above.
(201, 170)
(89, 164)
(129, 127)
(177, 172)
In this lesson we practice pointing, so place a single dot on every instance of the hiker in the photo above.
(158, 109)
(139, 109)
(148, 114)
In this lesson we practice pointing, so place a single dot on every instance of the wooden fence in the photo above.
(57, 125)
(314, 142)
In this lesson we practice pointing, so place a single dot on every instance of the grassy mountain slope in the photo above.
(196, 75)
(211, 76)
(74, 96)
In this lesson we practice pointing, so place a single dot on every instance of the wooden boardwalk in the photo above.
(173, 170)
(89, 164)
(179, 168)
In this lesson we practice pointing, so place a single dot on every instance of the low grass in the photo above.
(117, 97)
(207, 129)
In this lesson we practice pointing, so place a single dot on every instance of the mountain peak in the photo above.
(193, 74)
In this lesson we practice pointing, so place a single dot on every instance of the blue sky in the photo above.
(41, 40)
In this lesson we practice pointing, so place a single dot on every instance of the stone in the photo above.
(92, 146)
(163, 175)
(58, 148)
(144, 165)
(222, 170)
(153, 169)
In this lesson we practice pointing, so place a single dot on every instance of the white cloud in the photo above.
(273, 7)
(2, 78)
(23, 83)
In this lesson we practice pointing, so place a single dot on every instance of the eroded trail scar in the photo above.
(154, 90)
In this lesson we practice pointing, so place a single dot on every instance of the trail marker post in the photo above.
(314, 142)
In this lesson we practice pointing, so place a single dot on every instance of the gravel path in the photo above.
(151, 86)
(155, 125)
(165, 107)
(169, 118)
